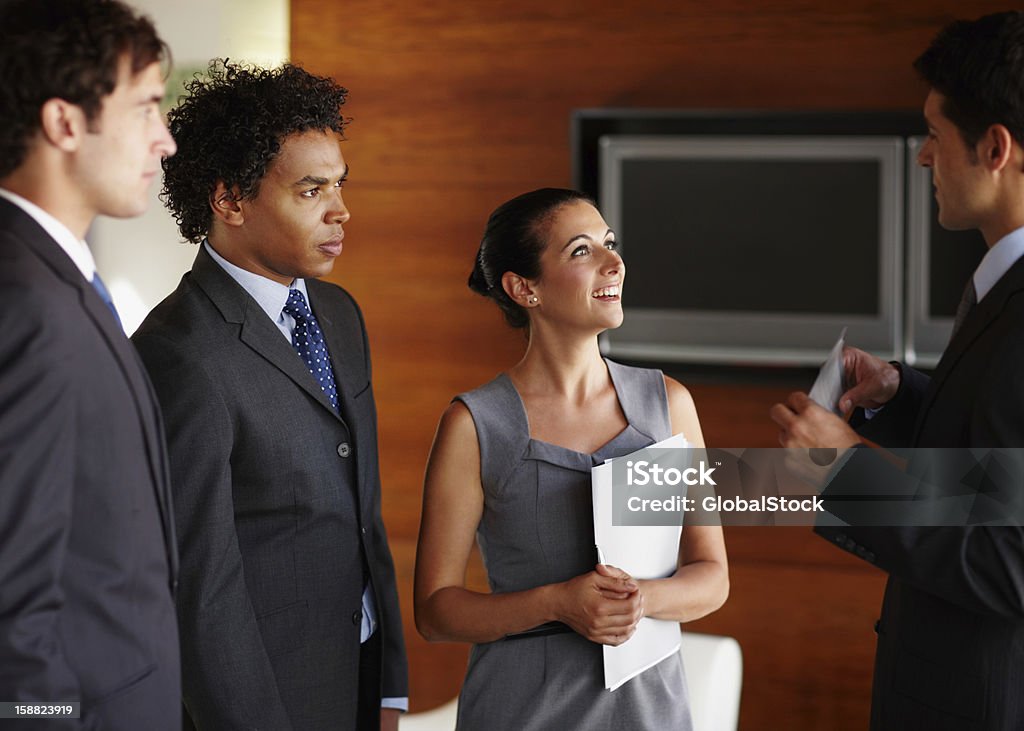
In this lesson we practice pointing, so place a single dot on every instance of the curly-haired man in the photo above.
(87, 549)
(287, 605)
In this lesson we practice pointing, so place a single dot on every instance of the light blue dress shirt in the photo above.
(997, 262)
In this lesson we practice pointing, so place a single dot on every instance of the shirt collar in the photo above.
(997, 261)
(75, 248)
(271, 296)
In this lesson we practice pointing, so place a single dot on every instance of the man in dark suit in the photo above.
(87, 554)
(951, 637)
(288, 609)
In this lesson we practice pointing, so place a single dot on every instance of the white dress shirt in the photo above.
(75, 248)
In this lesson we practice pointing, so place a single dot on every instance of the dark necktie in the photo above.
(967, 302)
(308, 340)
(104, 293)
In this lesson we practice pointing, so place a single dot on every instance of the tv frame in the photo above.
(707, 336)
(588, 126)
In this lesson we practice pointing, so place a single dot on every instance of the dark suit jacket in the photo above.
(951, 637)
(278, 501)
(87, 558)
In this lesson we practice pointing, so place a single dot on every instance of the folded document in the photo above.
(644, 552)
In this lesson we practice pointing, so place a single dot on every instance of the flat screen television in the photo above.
(752, 237)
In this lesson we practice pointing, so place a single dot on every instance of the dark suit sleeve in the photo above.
(978, 568)
(229, 682)
(37, 441)
(395, 683)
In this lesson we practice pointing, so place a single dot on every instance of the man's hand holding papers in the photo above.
(875, 380)
(813, 421)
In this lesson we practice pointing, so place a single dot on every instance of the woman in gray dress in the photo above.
(511, 464)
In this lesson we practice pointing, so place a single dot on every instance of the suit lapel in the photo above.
(164, 468)
(974, 326)
(257, 332)
(145, 404)
(36, 238)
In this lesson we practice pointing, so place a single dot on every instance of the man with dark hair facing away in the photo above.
(951, 636)
(87, 547)
(288, 609)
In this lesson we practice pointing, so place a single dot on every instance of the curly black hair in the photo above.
(67, 49)
(230, 128)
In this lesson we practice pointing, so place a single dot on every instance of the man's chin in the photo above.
(953, 224)
(319, 271)
(125, 209)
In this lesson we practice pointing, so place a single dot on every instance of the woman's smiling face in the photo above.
(581, 271)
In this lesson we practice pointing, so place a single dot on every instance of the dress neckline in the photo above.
(590, 455)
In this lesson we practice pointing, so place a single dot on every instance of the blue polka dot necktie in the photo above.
(308, 340)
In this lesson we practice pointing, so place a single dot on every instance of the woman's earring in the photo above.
(533, 300)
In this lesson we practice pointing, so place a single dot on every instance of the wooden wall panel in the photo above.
(457, 106)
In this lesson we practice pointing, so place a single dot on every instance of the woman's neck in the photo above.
(561, 366)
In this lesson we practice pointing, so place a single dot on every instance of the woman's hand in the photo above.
(603, 605)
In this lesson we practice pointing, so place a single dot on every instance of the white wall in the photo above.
(142, 259)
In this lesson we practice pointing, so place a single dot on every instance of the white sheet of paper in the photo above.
(644, 552)
(828, 386)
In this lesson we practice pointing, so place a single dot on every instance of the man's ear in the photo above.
(224, 204)
(519, 289)
(62, 124)
(995, 148)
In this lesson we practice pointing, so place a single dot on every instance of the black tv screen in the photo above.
(754, 248)
(939, 263)
(752, 235)
(954, 257)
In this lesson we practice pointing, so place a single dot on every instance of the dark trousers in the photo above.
(368, 714)
(368, 709)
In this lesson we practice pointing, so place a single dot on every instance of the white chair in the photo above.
(714, 673)
(441, 718)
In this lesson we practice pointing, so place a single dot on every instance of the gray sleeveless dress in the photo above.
(537, 528)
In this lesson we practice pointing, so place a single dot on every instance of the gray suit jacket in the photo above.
(278, 501)
(87, 557)
(951, 636)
